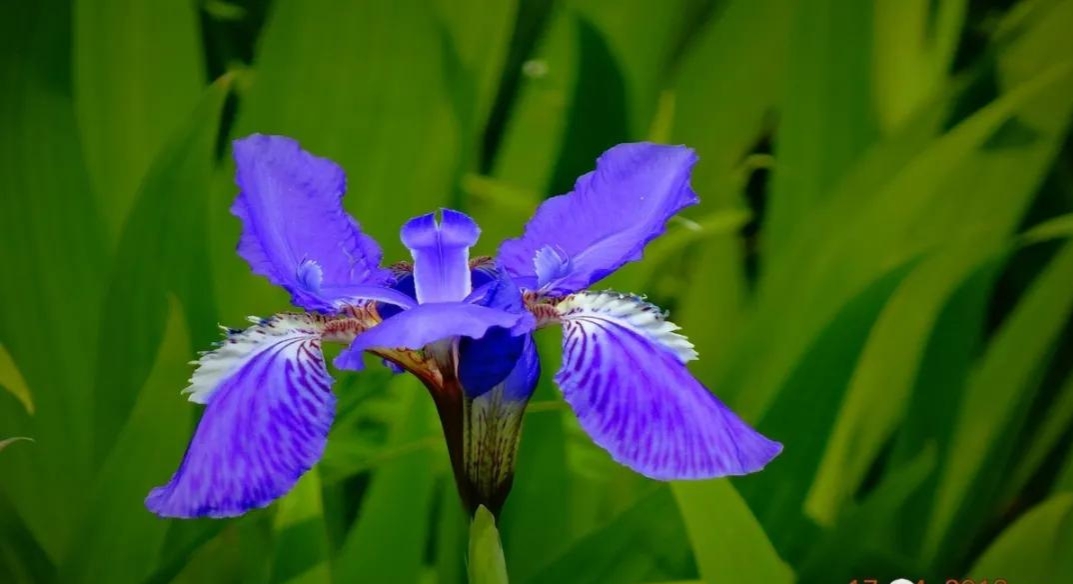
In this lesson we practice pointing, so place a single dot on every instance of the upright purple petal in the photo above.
(576, 239)
(481, 278)
(441, 254)
(269, 408)
(428, 323)
(295, 231)
(623, 373)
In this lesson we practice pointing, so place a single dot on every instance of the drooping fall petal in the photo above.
(624, 375)
(268, 409)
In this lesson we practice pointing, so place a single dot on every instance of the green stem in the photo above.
(486, 563)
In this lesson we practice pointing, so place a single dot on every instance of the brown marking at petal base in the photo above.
(543, 308)
(482, 263)
(401, 268)
(353, 320)
(414, 362)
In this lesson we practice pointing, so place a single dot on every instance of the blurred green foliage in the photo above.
(878, 276)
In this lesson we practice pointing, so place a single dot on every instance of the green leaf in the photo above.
(138, 71)
(480, 34)
(1000, 389)
(1057, 420)
(301, 555)
(912, 207)
(22, 561)
(53, 256)
(863, 529)
(486, 563)
(166, 228)
(534, 133)
(890, 363)
(450, 536)
(387, 542)
(644, 66)
(1064, 482)
(1056, 227)
(728, 542)
(645, 542)
(1001, 177)
(817, 386)
(598, 112)
(1034, 549)
(954, 344)
(120, 539)
(543, 480)
(12, 381)
(913, 48)
(744, 46)
(184, 540)
(360, 442)
(826, 118)
(885, 374)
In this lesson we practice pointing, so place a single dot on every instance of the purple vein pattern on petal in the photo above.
(428, 323)
(441, 254)
(295, 231)
(576, 239)
(269, 408)
(624, 375)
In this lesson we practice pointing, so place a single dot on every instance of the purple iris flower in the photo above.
(463, 326)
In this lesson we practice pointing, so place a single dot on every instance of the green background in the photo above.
(878, 276)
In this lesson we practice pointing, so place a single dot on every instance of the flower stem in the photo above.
(486, 562)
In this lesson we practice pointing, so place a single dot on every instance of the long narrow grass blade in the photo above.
(120, 540)
(138, 71)
(388, 539)
(728, 542)
(1035, 548)
(12, 381)
(999, 391)
(53, 255)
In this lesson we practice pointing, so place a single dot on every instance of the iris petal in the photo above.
(404, 284)
(576, 239)
(623, 373)
(483, 363)
(441, 254)
(269, 408)
(295, 231)
(428, 323)
(522, 380)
